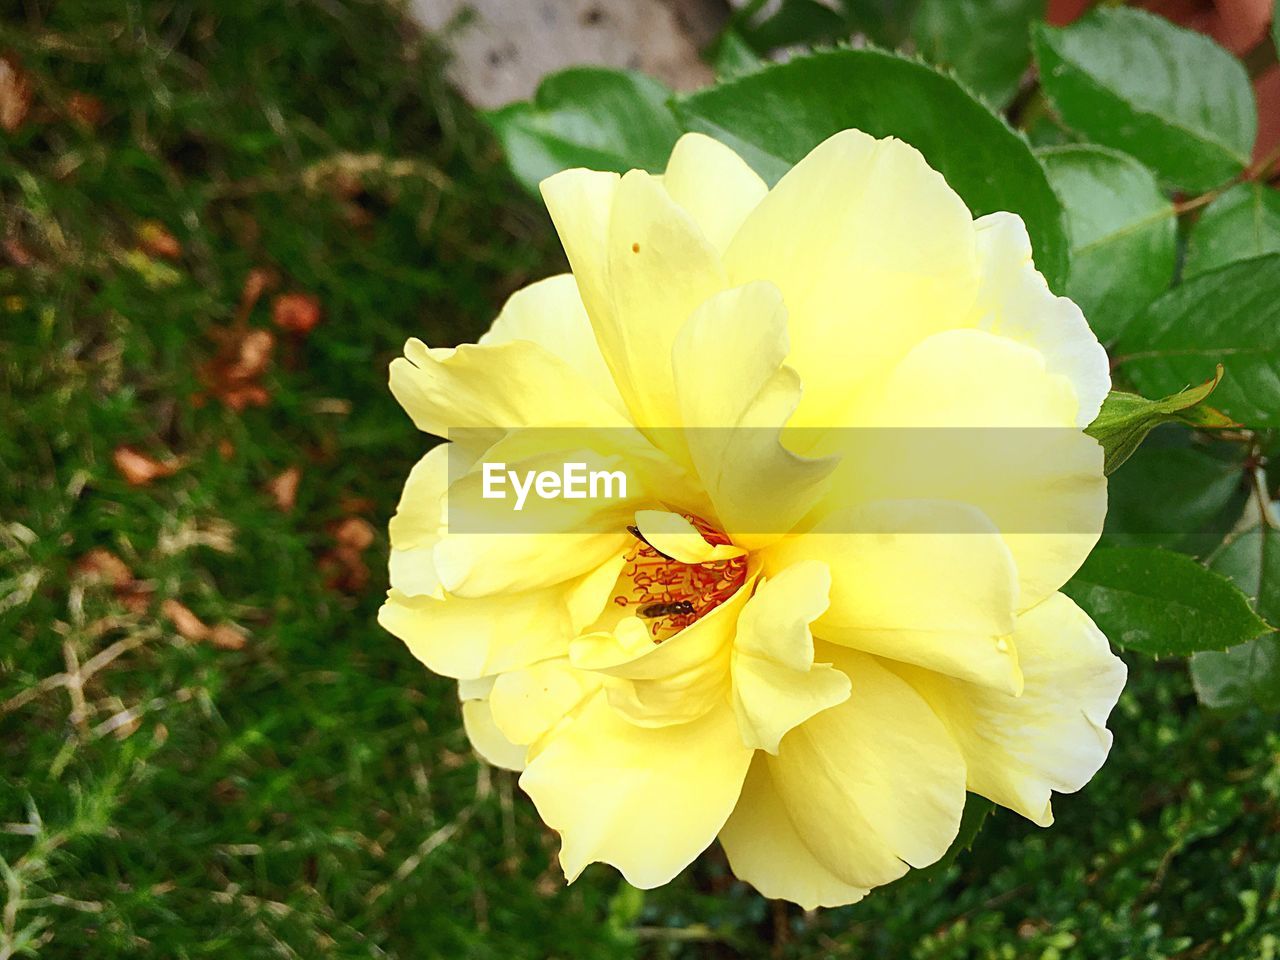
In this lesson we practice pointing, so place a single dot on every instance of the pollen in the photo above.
(670, 595)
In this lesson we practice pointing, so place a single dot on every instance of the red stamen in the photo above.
(655, 579)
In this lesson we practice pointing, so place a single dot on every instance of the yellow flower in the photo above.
(806, 646)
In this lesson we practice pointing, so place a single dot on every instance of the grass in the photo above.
(311, 793)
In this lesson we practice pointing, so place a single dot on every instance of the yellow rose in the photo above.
(807, 650)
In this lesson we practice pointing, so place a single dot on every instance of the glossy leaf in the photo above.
(1170, 97)
(1248, 674)
(1162, 603)
(986, 42)
(1244, 222)
(587, 117)
(1126, 418)
(1122, 228)
(1176, 494)
(1230, 315)
(773, 117)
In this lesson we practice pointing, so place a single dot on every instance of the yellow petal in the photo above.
(591, 593)
(628, 650)
(1015, 301)
(674, 699)
(673, 682)
(713, 185)
(1004, 425)
(494, 387)
(1054, 737)
(466, 638)
(674, 536)
(642, 266)
(989, 661)
(487, 740)
(735, 398)
(766, 851)
(660, 270)
(973, 379)
(529, 703)
(911, 565)
(647, 801)
(501, 545)
(550, 313)
(416, 527)
(776, 684)
(581, 205)
(872, 252)
(486, 564)
(875, 783)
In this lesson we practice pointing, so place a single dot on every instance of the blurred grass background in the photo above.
(208, 747)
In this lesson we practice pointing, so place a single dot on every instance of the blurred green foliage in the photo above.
(312, 794)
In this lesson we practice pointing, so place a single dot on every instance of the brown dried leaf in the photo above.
(138, 469)
(101, 566)
(184, 621)
(344, 570)
(156, 240)
(256, 283)
(15, 93)
(16, 251)
(227, 636)
(283, 488)
(296, 312)
(252, 355)
(354, 532)
(85, 109)
(351, 503)
(241, 397)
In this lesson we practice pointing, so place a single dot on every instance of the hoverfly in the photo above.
(673, 609)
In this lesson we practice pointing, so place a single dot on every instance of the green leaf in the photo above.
(884, 22)
(796, 22)
(1162, 603)
(1248, 674)
(976, 811)
(1229, 315)
(1244, 222)
(587, 117)
(1171, 97)
(1126, 418)
(734, 57)
(775, 116)
(986, 42)
(1123, 232)
(1175, 494)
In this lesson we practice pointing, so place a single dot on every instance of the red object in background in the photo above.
(1062, 12)
(1239, 25)
(296, 312)
(1267, 89)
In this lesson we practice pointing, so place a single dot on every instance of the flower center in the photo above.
(671, 595)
